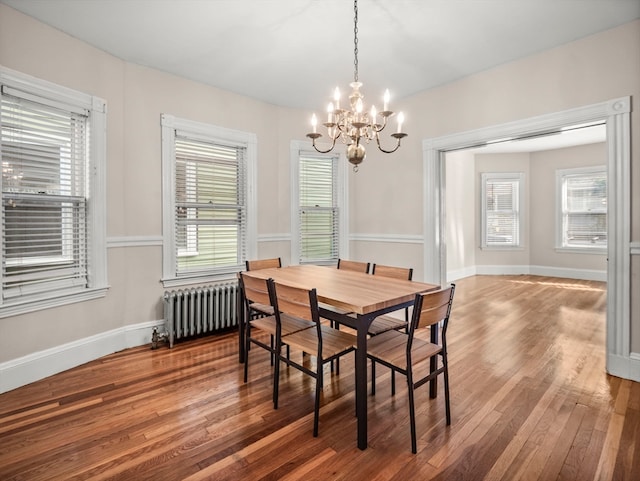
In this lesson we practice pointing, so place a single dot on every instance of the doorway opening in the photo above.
(615, 115)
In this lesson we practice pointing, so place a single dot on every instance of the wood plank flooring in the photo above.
(530, 401)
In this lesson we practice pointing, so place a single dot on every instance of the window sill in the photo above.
(600, 251)
(502, 248)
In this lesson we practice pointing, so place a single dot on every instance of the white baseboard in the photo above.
(626, 368)
(515, 270)
(585, 274)
(453, 276)
(39, 365)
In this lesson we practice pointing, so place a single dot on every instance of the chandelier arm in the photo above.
(397, 136)
(333, 144)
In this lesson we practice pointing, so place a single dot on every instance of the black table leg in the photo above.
(361, 383)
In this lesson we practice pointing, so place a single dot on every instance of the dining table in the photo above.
(353, 299)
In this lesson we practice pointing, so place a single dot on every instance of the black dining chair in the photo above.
(257, 290)
(386, 323)
(322, 342)
(402, 351)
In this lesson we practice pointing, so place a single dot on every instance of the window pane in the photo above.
(210, 215)
(585, 209)
(318, 208)
(501, 211)
(44, 185)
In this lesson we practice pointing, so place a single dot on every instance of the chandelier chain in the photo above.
(355, 40)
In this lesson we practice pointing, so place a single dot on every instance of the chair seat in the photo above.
(334, 342)
(265, 309)
(386, 323)
(289, 324)
(391, 347)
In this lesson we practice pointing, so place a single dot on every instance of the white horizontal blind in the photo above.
(584, 209)
(502, 215)
(210, 206)
(318, 208)
(44, 197)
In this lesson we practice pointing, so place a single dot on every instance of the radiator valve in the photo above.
(156, 337)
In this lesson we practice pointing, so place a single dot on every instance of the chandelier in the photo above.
(353, 125)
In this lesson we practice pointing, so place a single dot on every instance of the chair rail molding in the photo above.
(615, 114)
(388, 238)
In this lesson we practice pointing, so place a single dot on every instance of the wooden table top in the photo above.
(351, 291)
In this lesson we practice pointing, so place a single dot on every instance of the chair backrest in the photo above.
(256, 264)
(431, 308)
(391, 271)
(353, 266)
(294, 301)
(255, 290)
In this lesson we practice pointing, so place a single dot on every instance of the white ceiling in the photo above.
(294, 52)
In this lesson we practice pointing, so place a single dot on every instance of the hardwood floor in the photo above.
(530, 400)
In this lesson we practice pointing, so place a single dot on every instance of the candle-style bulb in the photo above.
(400, 121)
(330, 112)
(314, 122)
(386, 100)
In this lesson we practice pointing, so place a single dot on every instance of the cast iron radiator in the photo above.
(200, 310)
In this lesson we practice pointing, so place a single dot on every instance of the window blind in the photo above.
(44, 197)
(318, 208)
(585, 209)
(502, 213)
(210, 212)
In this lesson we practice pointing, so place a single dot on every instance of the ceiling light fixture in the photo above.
(354, 126)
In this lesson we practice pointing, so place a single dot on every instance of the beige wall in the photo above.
(386, 196)
(543, 205)
(136, 97)
(463, 210)
(461, 200)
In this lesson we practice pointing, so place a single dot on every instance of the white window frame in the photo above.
(47, 92)
(561, 176)
(518, 179)
(342, 199)
(223, 136)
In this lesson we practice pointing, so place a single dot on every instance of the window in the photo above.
(318, 216)
(209, 226)
(582, 199)
(53, 234)
(501, 210)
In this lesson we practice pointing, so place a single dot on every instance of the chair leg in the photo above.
(246, 352)
(276, 375)
(447, 404)
(412, 413)
(316, 409)
(393, 382)
(272, 349)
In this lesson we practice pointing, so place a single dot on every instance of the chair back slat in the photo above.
(392, 271)
(255, 289)
(257, 264)
(353, 266)
(296, 301)
(435, 307)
